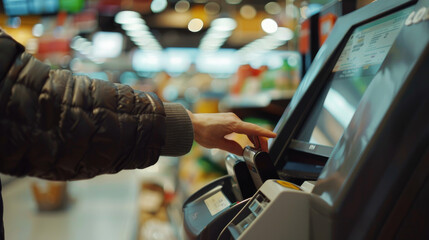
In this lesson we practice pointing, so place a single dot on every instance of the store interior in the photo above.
(241, 56)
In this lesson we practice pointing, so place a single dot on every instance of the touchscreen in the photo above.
(359, 61)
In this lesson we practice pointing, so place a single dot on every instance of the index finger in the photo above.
(259, 143)
(253, 129)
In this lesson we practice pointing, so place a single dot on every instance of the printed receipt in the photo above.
(217, 203)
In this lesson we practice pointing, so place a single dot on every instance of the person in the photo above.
(57, 126)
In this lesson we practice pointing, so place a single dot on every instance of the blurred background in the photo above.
(243, 56)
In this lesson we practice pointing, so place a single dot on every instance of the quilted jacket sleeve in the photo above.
(58, 126)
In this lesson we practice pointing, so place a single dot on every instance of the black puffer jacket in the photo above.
(57, 126)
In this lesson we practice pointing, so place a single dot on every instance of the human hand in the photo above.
(211, 130)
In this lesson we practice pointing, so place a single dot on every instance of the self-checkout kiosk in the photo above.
(352, 152)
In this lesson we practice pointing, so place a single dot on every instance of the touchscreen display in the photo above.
(359, 61)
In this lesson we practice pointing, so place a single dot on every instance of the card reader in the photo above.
(260, 166)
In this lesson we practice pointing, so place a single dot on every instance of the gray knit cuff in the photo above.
(179, 131)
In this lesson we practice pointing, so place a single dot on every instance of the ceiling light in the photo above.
(233, 2)
(107, 44)
(224, 24)
(136, 20)
(283, 34)
(247, 11)
(158, 6)
(38, 30)
(134, 27)
(212, 8)
(195, 25)
(269, 25)
(273, 8)
(138, 33)
(182, 6)
(126, 16)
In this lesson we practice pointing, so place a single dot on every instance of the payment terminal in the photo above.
(351, 155)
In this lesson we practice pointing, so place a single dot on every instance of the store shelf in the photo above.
(259, 100)
(268, 105)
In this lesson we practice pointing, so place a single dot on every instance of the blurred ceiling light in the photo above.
(219, 31)
(255, 49)
(291, 11)
(223, 24)
(284, 34)
(124, 17)
(134, 21)
(107, 44)
(134, 27)
(182, 6)
(38, 30)
(142, 41)
(212, 8)
(248, 11)
(233, 2)
(158, 6)
(269, 25)
(138, 34)
(273, 8)
(195, 25)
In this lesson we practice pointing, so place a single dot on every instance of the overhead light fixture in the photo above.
(248, 11)
(125, 17)
(233, 2)
(38, 30)
(224, 24)
(182, 6)
(136, 28)
(269, 25)
(212, 8)
(283, 34)
(107, 44)
(195, 25)
(269, 42)
(220, 30)
(158, 6)
(273, 8)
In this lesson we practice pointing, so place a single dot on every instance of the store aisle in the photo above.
(101, 208)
